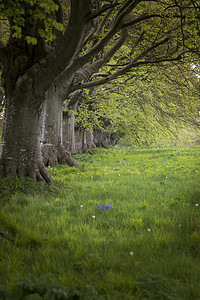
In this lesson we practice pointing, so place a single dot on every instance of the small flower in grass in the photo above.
(179, 225)
(103, 206)
(149, 229)
(102, 186)
(166, 177)
(81, 205)
(57, 199)
(118, 174)
(93, 217)
(131, 253)
(196, 204)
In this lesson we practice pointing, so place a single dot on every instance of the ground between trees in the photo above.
(38, 56)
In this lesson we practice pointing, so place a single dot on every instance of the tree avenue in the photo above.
(147, 108)
(56, 48)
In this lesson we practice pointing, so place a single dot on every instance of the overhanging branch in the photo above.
(103, 9)
(122, 72)
(85, 73)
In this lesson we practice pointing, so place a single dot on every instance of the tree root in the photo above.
(36, 171)
(65, 158)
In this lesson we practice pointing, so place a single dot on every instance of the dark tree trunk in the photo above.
(28, 72)
(69, 131)
(75, 141)
(20, 149)
(53, 151)
(104, 139)
(83, 141)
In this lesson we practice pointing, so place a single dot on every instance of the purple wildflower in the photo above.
(103, 206)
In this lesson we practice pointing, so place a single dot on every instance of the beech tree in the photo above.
(44, 53)
(147, 108)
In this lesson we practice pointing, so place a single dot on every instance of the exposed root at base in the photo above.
(54, 155)
(38, 172)
(65, 158)
(43, 175)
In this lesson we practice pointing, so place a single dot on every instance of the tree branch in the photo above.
(2, 53)
(102, 23)
(59, 16)
(103, 9)
(85, 73)
(140, 19)
(99, 75)
(123, 71)
(115, 27)
(67, 47)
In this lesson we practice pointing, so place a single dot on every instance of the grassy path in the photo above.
(126, 225)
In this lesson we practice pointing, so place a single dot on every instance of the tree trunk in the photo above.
(53, 151)
(69, 131)
(20, 148)
(90, 139)
(104, 139)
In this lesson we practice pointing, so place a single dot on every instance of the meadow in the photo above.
(124, 225)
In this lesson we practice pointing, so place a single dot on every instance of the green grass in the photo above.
(146, 246)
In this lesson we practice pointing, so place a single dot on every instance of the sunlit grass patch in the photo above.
(123, 225)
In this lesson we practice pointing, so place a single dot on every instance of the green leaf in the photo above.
(31, 40)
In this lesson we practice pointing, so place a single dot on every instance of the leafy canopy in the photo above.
(21, 12)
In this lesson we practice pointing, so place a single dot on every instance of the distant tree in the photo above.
(49, 47)
(152, 104)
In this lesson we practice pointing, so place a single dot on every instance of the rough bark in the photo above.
(53, 151)
(20, 149)
(68, 131)
(84, 141)
(104, 139)
(28, 72)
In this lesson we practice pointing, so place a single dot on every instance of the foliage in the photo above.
(154, 33)
(17, 11)
(154, 103)
(147, 247)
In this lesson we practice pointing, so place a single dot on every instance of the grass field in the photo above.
(123, 226)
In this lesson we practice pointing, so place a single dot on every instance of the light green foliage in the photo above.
(38, 9)
(145, 247)
(86, 116)
(154, 104)
(4, 32)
